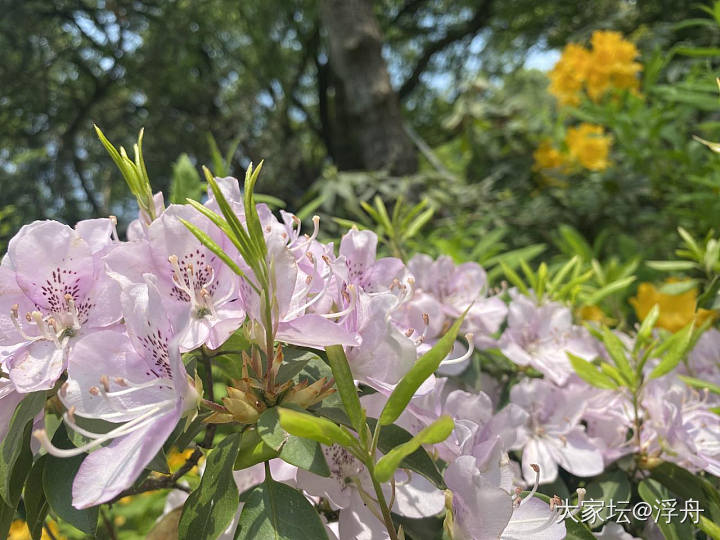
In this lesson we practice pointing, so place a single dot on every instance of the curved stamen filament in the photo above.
(535, 468)
(125, 429)
(468, 354)
(349, 309)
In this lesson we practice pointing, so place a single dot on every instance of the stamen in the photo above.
(535, 468)
(125, 429)
(16, 322)
(468, 354)
(114, 233)
(349, 309)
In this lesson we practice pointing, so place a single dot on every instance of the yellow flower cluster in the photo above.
(608, 64)
(587, 146)
(676, 310)
(547, 157)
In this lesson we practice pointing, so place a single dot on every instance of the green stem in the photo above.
(383, 503)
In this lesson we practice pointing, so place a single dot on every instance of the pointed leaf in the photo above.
(253, 450)
(436, 432)
(315, 428)
(588, 373)
(14, 448)
(210, 508)
(346, 385)
(276, 511)
(418, 374)
(303, 453)
(57, 479)
(675, 352)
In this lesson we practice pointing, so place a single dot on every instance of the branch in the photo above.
(453, 34)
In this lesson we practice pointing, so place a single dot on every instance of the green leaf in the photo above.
(253, 450)
(436, 432)
(210, 508)
(687, 485)
(651, 492)
(346, 385)
(701, 384)
(607, 290)
(617, 352)
(7, 514)
(15, 455)
(514, 278)
(675, 350)
(315, 428)
(419, 461)
(303, 453)
(57, 479)
(671, 266)
(709, 528)
(612, 486)
(274, 510)
(679, 287)
(645, 330)
(186, 181)
(575, 241)
(209, 243)
(293, 364)
(36, 505)
(418, 374)
(588, 373)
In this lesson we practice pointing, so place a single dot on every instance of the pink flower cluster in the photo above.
(105, 322)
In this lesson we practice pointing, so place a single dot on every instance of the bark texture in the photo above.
(368, 128)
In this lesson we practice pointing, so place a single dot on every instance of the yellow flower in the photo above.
(676, 310)
(569, 74)
(547, 157)
(594, 314)
(609, 64)
(19, 531)
(588, 146)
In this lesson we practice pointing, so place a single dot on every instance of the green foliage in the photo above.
(15, 454)
(425, 366)
(57, 478)
(436, 432)
(275, 510)
(186, 182)
(210, 508)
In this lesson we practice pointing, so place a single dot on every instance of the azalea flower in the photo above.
(553, 435)
(483, 507)
(199, 291)
(134, 380)
(541, 336)
(679, 427)
(348, 488)
(9, 399)
(53, 290)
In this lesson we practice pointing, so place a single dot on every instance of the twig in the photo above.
(108, 524)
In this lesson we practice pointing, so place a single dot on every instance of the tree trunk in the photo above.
(367, 125)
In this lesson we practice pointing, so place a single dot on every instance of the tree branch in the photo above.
(455, 33)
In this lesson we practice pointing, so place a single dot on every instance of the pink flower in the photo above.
(542, 335)
(137, 382)
(53, 289)
(553, 435)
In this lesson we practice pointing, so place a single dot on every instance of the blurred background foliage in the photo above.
(345, 100)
